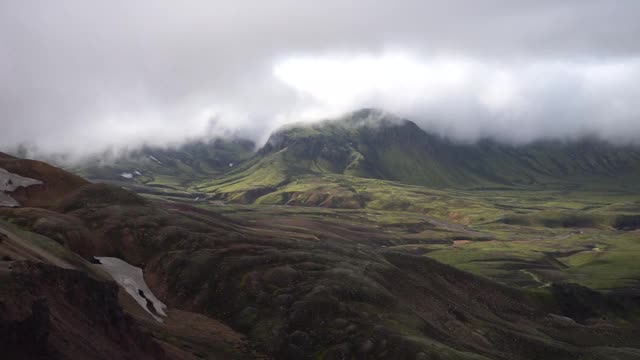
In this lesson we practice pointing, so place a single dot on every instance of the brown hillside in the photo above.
(56, 182)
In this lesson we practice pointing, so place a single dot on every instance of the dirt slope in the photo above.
(57, 183)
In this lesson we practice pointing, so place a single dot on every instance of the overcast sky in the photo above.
(84, 75)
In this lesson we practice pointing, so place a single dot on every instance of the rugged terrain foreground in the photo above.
(246, 281)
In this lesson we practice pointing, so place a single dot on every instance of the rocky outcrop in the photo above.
(48, 312)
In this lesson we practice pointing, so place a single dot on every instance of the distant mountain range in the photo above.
(368, 144)
(169, 167)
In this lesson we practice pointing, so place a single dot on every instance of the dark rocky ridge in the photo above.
(53, 313)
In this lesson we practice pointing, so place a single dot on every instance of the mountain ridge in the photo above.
(370, 144)
(367, 144)
(383, 139)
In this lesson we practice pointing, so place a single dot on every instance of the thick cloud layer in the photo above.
(468, 99)
(81, 76)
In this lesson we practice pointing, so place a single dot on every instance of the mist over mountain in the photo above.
(367, 143)
(159, 73)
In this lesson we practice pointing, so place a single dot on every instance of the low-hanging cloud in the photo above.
(469, 99)
(80, 77)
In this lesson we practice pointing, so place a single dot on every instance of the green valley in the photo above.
(524, 215)
(352, 237)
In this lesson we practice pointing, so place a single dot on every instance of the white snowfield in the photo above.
(9, 182)
(154, 159)
(131, 279)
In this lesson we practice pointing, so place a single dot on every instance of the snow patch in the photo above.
(7, 201)
(131, 279)
(154, 159)
(127, 175)
(9, 182)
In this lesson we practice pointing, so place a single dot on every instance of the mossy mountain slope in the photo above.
(372, 144)
(369, 143)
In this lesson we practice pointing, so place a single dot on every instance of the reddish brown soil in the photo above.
(50, 313)
(57, 183)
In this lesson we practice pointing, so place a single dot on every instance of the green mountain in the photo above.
(370, 144)
(373, 145)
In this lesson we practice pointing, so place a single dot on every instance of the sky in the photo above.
(80, 76)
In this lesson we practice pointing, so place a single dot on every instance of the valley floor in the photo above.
(523, 238)
(306, 282)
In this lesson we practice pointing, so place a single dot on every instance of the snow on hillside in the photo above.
(131, 278)
(9, 182)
